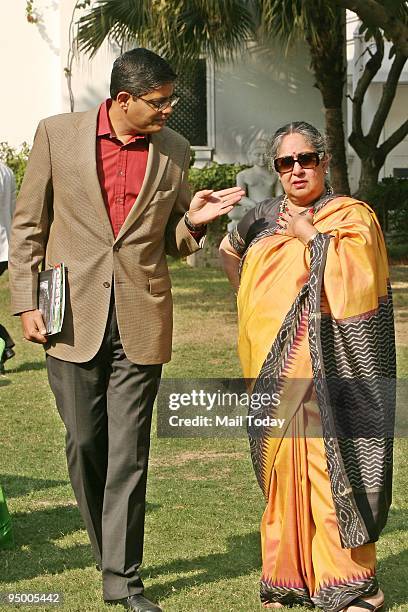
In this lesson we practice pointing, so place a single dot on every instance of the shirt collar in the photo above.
(104, 127)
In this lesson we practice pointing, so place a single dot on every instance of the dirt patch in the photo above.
(205, 330)
(71, 505)
(203, 456)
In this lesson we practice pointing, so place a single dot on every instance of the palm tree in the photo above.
(185, 30)
(323, 28)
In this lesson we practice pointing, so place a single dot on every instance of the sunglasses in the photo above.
(305, 160)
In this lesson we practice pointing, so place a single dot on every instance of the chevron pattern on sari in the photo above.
(336, 596)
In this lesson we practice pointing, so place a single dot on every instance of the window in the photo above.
(400, 173)
(193, 116)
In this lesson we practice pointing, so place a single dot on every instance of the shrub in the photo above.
(16, 159)
(390, 202)
(215, 176)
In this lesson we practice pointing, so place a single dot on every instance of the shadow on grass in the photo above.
(17, 486)
(240, 559)
(36, 550)
(28, 366)
(4, 381)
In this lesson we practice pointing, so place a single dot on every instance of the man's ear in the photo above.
(122, 99)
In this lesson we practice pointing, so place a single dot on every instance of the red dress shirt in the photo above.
(121, 168)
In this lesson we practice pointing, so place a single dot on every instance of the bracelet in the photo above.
(309, 242)
(191, 226)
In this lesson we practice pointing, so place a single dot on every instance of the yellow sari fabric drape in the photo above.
(303, 559)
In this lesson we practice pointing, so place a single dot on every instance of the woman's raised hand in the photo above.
(299, 225)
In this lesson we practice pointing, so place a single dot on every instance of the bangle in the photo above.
(309, 242)
(191, 226)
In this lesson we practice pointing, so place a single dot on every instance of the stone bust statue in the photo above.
(258, 183)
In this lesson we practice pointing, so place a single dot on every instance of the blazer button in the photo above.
(106, 284)
(116, 247)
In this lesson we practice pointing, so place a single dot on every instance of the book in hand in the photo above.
(51, 297)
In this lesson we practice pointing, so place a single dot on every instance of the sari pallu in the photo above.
(338, 297)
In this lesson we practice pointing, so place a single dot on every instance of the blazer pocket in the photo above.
(160, 284)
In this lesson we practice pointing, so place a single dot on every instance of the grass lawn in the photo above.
(204, 505)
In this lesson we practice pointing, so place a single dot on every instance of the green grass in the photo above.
(204, 505)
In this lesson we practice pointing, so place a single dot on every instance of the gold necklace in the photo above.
(285, 201)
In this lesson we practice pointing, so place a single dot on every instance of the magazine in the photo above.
(51, 298)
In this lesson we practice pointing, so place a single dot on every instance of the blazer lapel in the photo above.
(86, 160)
(156, 163)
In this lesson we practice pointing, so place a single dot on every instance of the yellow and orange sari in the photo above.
(317, 327)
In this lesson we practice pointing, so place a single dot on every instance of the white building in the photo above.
(244, 101)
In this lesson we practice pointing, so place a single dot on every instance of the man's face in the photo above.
(141, 115)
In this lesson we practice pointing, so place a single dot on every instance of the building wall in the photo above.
(258, 94)
(30, 69)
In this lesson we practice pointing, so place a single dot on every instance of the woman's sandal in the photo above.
(365, 605)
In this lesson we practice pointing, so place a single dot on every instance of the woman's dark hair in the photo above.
(139, 71)
(308, 131)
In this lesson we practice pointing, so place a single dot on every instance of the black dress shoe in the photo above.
(8, 353)
(136, 603)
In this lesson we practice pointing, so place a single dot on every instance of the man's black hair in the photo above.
(138, 72)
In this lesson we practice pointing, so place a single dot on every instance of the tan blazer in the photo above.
(61, 217)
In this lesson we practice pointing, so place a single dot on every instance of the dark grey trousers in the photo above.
(106, 405)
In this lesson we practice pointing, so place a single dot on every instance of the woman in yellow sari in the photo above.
(316, 326)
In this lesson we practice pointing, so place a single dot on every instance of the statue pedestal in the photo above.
(208, 257)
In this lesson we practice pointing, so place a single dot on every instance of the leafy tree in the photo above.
(389, 15)
(387, 19)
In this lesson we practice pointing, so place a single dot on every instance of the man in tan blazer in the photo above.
(105, 192)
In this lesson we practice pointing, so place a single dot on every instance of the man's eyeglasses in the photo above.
(306, 160)
(162, 105)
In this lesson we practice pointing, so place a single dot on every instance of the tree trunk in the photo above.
(368, 178)
(327, 52)
(336, 139)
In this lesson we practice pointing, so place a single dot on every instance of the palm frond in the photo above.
(288, 20)
(119, 21)
(180, 30)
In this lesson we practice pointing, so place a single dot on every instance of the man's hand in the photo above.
(33, 326)
(207, 204)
